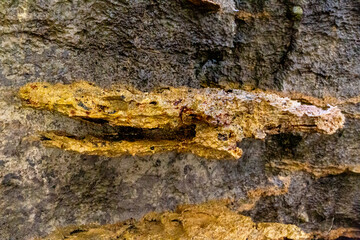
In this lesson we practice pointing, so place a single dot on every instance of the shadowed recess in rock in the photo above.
(208, 122)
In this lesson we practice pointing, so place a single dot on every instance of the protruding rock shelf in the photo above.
(213, 220)
(209, 122)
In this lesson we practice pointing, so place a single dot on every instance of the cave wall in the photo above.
(248, 44)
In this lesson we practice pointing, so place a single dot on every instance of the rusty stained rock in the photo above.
(221, 118)
(212, 220)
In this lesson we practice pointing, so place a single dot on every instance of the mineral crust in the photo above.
(213, 220)
(220, 119)
(210, 220)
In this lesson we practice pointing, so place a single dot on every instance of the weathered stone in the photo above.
(148, 44)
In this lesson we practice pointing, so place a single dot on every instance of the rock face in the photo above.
(309, 47)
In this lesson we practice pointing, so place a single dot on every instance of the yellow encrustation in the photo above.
(210, 220)
(221, 119)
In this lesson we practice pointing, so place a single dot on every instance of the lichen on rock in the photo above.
(220, 119)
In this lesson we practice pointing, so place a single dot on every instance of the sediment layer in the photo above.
(220, 118)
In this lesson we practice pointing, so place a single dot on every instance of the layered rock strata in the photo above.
(209, 122)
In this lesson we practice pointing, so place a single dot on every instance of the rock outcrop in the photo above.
(305, 50)
(208, 122)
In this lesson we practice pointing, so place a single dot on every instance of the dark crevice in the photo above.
(134, 134)
(120, 133)
(44, 138)
(76, 231)
(284, 62)
(95, 120)
(208, 67)
(284, 143)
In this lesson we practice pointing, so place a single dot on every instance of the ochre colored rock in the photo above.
(148, 44)
(220, 118)
(213, 220)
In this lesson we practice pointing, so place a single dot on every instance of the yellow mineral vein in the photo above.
(95, 146)
(211, 220)
(221, 118)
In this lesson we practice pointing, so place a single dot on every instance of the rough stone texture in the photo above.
(158, 43)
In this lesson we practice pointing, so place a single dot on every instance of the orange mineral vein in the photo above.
(220, 118)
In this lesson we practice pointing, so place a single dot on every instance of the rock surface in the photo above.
(310, 180)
